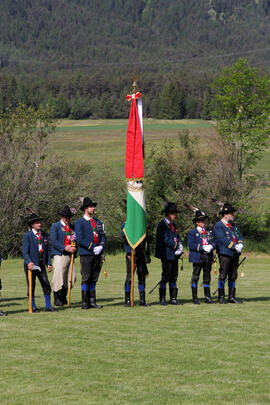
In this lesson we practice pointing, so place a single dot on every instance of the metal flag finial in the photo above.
(135, 79)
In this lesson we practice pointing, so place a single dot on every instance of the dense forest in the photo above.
(79, 55)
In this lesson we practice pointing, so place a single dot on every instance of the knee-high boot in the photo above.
(231, 297)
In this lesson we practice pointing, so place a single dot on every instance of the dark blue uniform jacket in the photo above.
(30, 248)
(165, 241)
(195, 244)
(85, 237)
(224, 237)
(57, 235)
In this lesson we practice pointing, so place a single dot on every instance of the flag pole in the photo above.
(70, 277)
(132, 278)
(30, 290)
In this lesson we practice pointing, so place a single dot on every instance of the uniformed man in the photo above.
(90, 236)
(2, 313)
(230, 245)
(168, 249)
(37, 255)
(201, 244)
(61, 238)
(141, 258)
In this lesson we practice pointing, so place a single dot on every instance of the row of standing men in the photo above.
(90, 241)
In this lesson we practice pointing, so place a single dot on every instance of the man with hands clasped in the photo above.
(91, 239)
(168, 249)
(230, 245)
(201, 244)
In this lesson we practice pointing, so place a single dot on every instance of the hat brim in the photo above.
(63, 214)
(200, 219)
(170, 212)
(88, 205)
(227, 212)
(35, 220)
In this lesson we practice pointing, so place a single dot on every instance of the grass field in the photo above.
(207, 354)
(104, 141)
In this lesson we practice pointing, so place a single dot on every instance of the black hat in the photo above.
(199, 216)
(66, 212)
(170, 208)
(227, 209)
(87, 202)
(33, 218)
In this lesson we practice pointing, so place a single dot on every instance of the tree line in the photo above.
(81, 95)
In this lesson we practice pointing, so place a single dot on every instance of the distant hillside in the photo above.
(61, 34)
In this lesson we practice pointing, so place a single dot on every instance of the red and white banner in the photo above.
(134, 145)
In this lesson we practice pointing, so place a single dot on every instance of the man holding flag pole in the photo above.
(135, 225)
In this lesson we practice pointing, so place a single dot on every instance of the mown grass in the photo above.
(207, 354)
(104, 141)
(100, 142)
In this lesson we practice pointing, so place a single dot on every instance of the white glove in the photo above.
(207, 248)
(179, 250)
(98, 249)
(239, 247)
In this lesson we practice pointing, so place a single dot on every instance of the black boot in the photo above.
(85, 299)
(127, 299)
(231, 298)
(194, 296)
(64, 295)
(58, 298)
(2, 313)
(92, 301)
(173, 296)
(142, 299)
(208, 299)
(221, 296)
(162, 297)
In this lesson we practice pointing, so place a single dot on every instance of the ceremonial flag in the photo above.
(134, 145)
(135, 227)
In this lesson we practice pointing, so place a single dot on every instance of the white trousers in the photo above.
(61, 266)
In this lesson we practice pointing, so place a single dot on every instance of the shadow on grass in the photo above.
(255, 299)
(78, 304)
(40, 310)
(14, 299)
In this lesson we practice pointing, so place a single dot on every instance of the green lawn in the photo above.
(104, 141)
(207, 354)
(99, 141)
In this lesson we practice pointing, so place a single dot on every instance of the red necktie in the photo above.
(67, 237)
(93, 224)
(230, 226)
(39, 243)
(204, 239)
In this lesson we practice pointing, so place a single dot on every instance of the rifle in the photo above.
(242, 261)
(150, 292)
